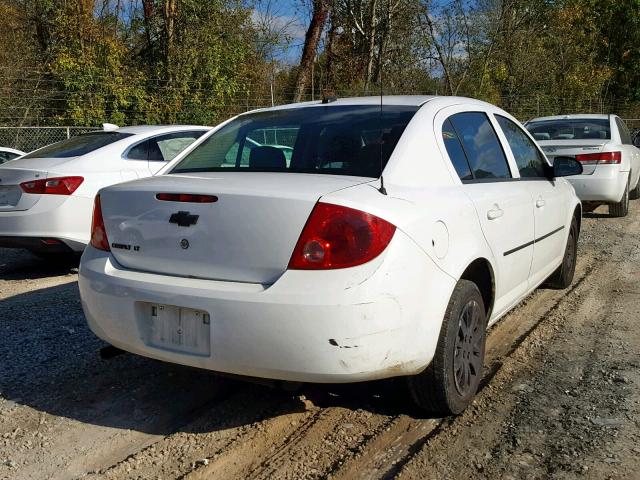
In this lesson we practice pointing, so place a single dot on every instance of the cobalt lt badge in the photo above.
(184, 243)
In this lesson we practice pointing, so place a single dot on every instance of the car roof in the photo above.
(147, 129)
(12, 150)
(599, 116)
(396, 100)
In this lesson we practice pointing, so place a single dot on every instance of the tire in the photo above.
(621, 208)
(563, 276)
(447, 386)
(635, 193)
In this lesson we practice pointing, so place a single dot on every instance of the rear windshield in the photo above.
(341, 140)
(80, 145)
(571, 129)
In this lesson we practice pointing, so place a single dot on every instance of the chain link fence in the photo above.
(522, 107)
(28, 139)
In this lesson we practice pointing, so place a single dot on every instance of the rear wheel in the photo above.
(563, 276)
(621, 208)
(447, 386)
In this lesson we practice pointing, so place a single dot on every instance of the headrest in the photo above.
(267, 157)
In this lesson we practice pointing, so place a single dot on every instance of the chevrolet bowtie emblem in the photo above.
(183, 219)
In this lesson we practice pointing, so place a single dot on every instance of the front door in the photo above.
(503, 206)
(549, 201)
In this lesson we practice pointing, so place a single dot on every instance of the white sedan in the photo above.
(321, 269)
(46, 196)
(7, 154)
(603, 144)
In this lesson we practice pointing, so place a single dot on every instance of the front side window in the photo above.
(570, 129)
(334, 139)
(77, 146)
(531, 163)
(481, 145)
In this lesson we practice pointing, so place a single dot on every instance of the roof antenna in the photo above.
(382, 190)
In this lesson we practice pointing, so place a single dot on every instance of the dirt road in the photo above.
(560, 398)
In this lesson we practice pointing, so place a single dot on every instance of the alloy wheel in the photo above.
(468, 354)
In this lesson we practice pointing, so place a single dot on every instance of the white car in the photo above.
(603, 144)
(7, 154)
(46, 196)
(323, 270)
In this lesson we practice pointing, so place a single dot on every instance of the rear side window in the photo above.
(481, 145)
(531, 163)
(163, 148)
(6, 156)
(80, 145)
(455, 151)
(625, 135)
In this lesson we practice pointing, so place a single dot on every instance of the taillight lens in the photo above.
(52, 186)
(340, 237)
(600, 158)
(99, 238)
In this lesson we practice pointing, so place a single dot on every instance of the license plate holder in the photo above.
(180, 329)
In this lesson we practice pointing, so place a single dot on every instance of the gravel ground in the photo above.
(560, 398)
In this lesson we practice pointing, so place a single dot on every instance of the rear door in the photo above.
(550, 199)
(630, 151)
(503, 206)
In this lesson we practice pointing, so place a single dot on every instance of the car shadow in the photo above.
(18, 264)
(596, 215)
(49, 361)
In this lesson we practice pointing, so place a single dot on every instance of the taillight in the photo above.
(600, 158)
(99, 238)
(52, 186)
(340, 237)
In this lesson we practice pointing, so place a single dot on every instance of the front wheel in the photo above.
(621, 208)
(635, 193)
(447, 386)
(563, 276)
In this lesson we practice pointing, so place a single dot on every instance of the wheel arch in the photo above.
(577, 214)
(480, 272)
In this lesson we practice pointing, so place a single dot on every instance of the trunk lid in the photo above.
(13, 173)
(571, 148)
(247, 235)
(12, 198)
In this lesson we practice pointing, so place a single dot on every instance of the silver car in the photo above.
(602, 143)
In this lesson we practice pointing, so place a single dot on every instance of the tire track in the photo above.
(386, 454)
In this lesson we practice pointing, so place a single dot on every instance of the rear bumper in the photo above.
(378, 320)
(606, 184)
(64, 218)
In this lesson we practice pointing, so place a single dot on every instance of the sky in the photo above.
(290, 17)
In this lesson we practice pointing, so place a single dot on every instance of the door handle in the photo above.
(540, 203)
(495, 212)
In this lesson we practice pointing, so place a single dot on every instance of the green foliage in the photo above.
(191, 61)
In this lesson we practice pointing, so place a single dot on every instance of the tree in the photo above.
(310, 48)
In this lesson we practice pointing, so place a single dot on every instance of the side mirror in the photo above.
(566, 167)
